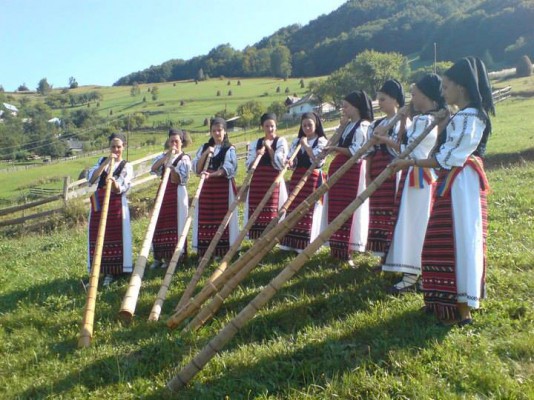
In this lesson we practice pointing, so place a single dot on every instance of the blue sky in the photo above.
(99, 41)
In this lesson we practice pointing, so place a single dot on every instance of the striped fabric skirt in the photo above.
(262, 180)
(300, 235)
(383, 206)
(454, 267)
(339, 197)
(212, 208)
(112, 251)
(166, 233)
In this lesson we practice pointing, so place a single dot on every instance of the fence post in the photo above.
(66, 182)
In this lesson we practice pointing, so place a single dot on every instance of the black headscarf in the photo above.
(393, 88)
(218, 121)
(266, 117)
(319, 131)
(362, 102)
(470, 73)
(117, 136)
(430, 86)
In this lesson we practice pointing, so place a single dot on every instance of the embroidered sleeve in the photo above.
(280, 153)
(359, 138)
(93, 169)
(251, 156)
(125, 178)
(159, 171)
(319, 148)
(197, 158)
(183, 169)
(464, 133)
(292, 148)
(230, 163)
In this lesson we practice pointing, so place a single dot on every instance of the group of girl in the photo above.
(427, 220)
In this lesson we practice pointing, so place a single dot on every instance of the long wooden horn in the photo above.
(179, 249)
(241, 235)
(261, 247)
(86, 333)
(130, 299)
(229, 331)
(231, 282)
(220, 231)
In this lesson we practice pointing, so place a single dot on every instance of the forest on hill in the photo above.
(498, 31)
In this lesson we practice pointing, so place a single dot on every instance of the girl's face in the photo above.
(350, 111)
(116, 146)
(175, 142)
(452, 92)
(218, 132)
(308, 127)
(387, 103)
(418, 98)
(269, 128)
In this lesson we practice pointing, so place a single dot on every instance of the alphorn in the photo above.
(231, 282)
(86, 333)
(229, 331)
(235, 247)
(220, 231)
(240, 269)
(129, 302)
(179, 249)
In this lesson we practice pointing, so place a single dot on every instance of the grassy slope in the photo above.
(329, 333)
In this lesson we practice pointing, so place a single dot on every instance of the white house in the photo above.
(309, 103)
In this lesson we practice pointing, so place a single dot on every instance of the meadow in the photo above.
(331, 332)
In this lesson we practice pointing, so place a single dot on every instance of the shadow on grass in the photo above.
(495, 161)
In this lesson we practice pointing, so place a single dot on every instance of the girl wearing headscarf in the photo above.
(352, 236)
(454, 254)
(117, 250)
(383, 203)
(312, 139)
(174, 206)
(404, 254)
(218, 192)
(273, 150)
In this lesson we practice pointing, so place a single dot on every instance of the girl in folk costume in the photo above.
(174, 207)
(312, 139)
(218, 192)
(274, 151)
(117, 250)
(352, 236)
(454, 253)
(404, 254)
(383, 204)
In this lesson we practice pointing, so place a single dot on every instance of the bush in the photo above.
(523, 67)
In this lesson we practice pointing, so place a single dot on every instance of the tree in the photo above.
(277, 107)
(23, 88)
(73, 84)
(43, 87)
(250, 113)
(524, 67)
(281, 62)
(200, 75)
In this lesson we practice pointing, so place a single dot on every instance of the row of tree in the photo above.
(496, 30)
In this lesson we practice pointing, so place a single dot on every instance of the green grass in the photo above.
(329, 333)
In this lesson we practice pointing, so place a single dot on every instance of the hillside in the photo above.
(499, 31)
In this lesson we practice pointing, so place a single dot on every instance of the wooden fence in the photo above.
(142, 175)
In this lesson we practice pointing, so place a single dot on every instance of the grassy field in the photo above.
(331, 332)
